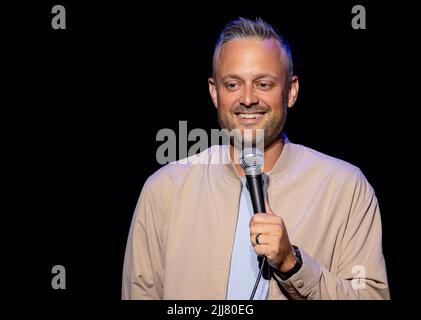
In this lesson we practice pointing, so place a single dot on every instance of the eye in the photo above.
(264, 85)
(232, 85)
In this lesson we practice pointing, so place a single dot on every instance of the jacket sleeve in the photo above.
(362, 271)
(143, 263)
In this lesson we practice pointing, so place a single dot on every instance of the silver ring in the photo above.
(257, 238)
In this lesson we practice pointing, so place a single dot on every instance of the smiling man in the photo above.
(194, 234)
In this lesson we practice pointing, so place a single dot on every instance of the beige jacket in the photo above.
(182, 233)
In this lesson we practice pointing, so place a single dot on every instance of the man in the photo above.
(194, 234)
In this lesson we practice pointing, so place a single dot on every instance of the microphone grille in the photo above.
(251, 160)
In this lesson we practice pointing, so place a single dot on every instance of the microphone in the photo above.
(251, 161)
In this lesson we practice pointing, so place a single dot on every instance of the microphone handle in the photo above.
(255, 185)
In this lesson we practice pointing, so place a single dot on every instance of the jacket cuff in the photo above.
(300, 284)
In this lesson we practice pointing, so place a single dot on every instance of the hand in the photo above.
(273, 240)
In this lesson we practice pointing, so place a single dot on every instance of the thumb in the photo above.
(268, 208)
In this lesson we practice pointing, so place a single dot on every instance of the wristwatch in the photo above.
(297, 266)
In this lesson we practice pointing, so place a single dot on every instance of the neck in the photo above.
(271, 155)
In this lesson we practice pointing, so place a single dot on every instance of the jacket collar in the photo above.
(285, 161)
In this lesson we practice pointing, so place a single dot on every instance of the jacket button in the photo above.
(300, 283)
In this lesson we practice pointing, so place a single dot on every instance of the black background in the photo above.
(97, 93)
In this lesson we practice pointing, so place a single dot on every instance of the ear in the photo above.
(212, 91)
(293, 91)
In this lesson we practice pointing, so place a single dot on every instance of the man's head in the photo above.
(253, 84)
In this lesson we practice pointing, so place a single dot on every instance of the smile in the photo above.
(250, 118)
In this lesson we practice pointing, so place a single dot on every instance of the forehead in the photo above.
(251, 56)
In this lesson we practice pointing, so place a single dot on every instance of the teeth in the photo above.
(249, 115)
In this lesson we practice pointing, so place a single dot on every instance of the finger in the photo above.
(268, 228)
(265, 219)
(268, 208)
(263, 250)
(264, 239)
(254, 240)
(260, 250)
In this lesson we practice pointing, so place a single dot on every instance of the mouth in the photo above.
(248, 118)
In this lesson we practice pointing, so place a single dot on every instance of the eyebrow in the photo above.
(258, 76)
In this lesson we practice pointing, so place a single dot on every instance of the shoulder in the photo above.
(346, 179)
(318, 163)
(178, 172)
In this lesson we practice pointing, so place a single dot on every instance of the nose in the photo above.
(248, 97)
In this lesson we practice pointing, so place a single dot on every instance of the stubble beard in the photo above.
(272, 132)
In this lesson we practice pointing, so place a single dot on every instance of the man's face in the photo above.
(249, 87)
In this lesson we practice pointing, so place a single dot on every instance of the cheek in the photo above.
(274, 100)
(227, 99)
